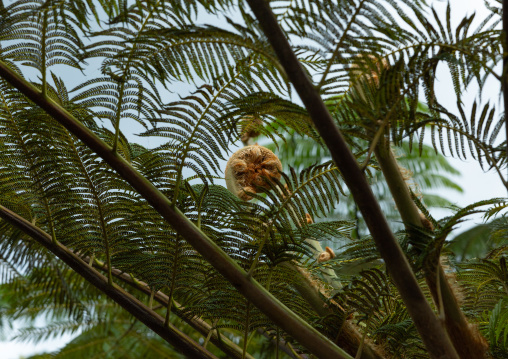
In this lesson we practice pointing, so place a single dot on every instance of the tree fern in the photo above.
(158, 221)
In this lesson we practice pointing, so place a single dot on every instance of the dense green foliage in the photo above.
(113, 64)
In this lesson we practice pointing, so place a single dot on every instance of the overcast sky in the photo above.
(477, 185)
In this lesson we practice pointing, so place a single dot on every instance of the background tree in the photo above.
(91, 219)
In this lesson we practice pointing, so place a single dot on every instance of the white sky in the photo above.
(477, 185)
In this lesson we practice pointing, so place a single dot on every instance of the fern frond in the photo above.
(498, 325)
(486, 282)
(41, 34)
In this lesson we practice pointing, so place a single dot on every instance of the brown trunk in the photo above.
(466, 338)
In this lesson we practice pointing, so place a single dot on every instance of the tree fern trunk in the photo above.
(433, 335)
(466, 338)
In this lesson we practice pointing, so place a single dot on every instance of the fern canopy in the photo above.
(197, 79)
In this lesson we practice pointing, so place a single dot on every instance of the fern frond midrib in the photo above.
(97, 201)
(195, 130)
(339, 44)
(297, 191)
(34, 174)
